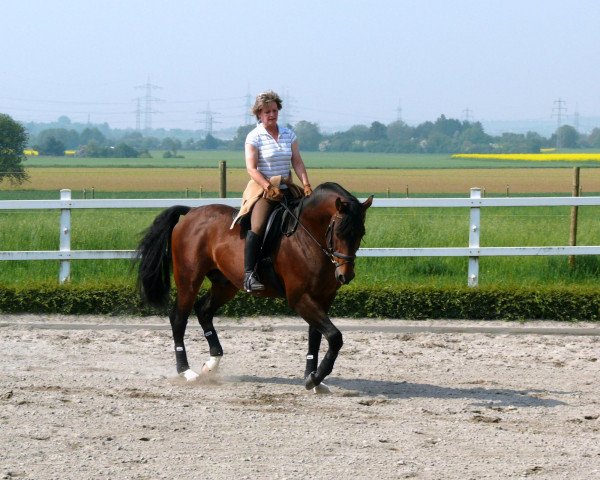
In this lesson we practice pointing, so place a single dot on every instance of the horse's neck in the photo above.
(316, 218)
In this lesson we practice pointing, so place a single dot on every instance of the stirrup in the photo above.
(251, 283)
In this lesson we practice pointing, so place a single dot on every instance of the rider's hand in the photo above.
(273, 193)
(307, 190)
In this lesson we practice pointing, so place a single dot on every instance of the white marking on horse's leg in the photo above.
(211, 366)
(321, 389)
(189, 375)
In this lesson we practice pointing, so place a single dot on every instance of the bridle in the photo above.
(328, 249)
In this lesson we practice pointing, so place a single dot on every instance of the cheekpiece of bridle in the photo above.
(329, 250)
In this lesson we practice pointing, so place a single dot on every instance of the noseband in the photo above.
(328, 249)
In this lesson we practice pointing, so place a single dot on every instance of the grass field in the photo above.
(429, 227)
(396, 175)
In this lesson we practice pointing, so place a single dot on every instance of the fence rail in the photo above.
(473, 251)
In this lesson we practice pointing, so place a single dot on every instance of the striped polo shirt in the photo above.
(274, 157)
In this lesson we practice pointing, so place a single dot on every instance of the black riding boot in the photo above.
(251, 281)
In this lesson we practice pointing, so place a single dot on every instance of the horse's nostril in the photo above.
(341, 278)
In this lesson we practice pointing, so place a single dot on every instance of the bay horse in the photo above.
(310, 265)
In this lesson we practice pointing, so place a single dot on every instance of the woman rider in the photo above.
(270, 151)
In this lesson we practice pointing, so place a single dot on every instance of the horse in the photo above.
(310, 266)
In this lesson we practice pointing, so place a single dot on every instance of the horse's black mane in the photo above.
(352, 225)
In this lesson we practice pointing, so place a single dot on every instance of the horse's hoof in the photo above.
(189, 375)
(321, 389)
(211, 366)
(311, 381)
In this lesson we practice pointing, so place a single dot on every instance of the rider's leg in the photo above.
(254, 238)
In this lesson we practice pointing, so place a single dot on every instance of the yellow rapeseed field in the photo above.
(534, 157)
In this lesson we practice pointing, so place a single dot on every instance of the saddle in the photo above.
(280, 223)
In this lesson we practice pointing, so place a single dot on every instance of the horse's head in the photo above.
(345, 215)
(344, 234)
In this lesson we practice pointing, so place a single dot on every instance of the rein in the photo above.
(328, 250)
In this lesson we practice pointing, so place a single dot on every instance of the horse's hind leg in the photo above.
(179, 318)
(220, 293)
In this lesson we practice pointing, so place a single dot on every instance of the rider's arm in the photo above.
(252, 166)
(298, 164)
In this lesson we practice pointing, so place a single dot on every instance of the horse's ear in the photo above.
(367, 203)
(339, 205)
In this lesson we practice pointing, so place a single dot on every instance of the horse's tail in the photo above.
(154, 257)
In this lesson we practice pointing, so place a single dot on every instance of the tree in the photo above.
(567, 137)
(122, 150)
(52, 146)
(90, 134)
(474, 139)
(210, 143)
(239, 140)
(13, 139)
(309, 136)
(447, 126)
(594, 138)
(69, 138)
(378, 131)
(171, 145)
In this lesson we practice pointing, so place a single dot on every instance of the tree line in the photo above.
(444, 135)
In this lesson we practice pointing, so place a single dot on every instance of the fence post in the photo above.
(223, 179)
(474, 228)
(64, 272)
(574, 211)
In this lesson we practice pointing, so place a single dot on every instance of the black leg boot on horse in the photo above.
(251, 253)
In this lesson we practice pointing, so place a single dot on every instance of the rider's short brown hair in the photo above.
(265, 98)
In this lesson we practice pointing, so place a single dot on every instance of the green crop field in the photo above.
(386, 227)
(363, 174)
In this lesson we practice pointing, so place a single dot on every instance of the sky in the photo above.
(335, 63)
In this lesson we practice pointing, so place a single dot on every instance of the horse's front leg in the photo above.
(314, 344)
(314, 312)
(312, 358)
(335, 342)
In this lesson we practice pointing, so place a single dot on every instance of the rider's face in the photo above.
(269, 114)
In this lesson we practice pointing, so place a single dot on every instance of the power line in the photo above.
(557, 111)
(138, 113)
(148, 99)
(247, 115)
(209, 119)
(468, 114)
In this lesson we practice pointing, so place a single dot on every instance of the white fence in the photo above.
(473, 251)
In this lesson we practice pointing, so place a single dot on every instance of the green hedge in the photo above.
(567, 304)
